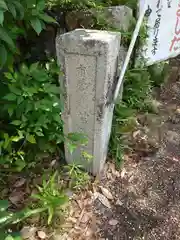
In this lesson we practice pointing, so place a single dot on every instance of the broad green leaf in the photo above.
(20, 165)
(4, 36)
(12, 9)
(19, 8)
(16, 122)
(41, 5)
(3, 5)
(14, 90)
(10, 97)
(9, 237)
(40, 76)
(4, 204)
(3, 55)
(8, 75)
(1, 17)
(36, 25)
(40, 134)
(47, 18)
(71, 147)
(53, 89)
(78, 138)
(10, 111)
(34, 67)
(3, 235)
(20, 100)
(30, 138)
(24, 69)
(5, 218)
(16, 138)
(16, 236)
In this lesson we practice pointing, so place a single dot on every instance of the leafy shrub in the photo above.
(137, 88)
(33, 108)
(79, 4)
(16, 17)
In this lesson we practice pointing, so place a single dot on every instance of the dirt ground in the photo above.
(143, 200)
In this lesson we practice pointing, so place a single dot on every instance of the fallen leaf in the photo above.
(16, 197)
(41, 234)
(80, 217)
(20, 182)
(113, 170)
(53, 163)
(123, 172)
(73, 220)
(104, 200)
(80, 204)
(118, 202)
(113, 222)
(136, 133)
(85, 218)
(89, 233)
(109, 176)
(28, 232)
(125, 157)
(178, 110)
(106, 193)
(95, 196)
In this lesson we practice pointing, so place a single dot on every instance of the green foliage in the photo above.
(77, 177)
(137, 88)
(137, 97)
(80, 4)
(124, 122)
(33, 107)
(16, 17)
(50, 197)
(159, 73)
(30, 117)
(75, 140)
(8, 218)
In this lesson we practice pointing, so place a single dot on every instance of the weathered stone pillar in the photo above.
(89, 60)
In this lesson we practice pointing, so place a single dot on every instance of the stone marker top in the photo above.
(89, 42)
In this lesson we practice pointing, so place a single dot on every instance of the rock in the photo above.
(20, 182)
(113, 222)
(119, 17)
(119, 202)
(41, 234)
(28, 233)
(16, 197)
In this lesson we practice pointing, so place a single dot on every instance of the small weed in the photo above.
(51, 197)
(137, 97)
(77, 177)
(8, 218)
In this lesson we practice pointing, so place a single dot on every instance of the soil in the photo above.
(146, 192)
